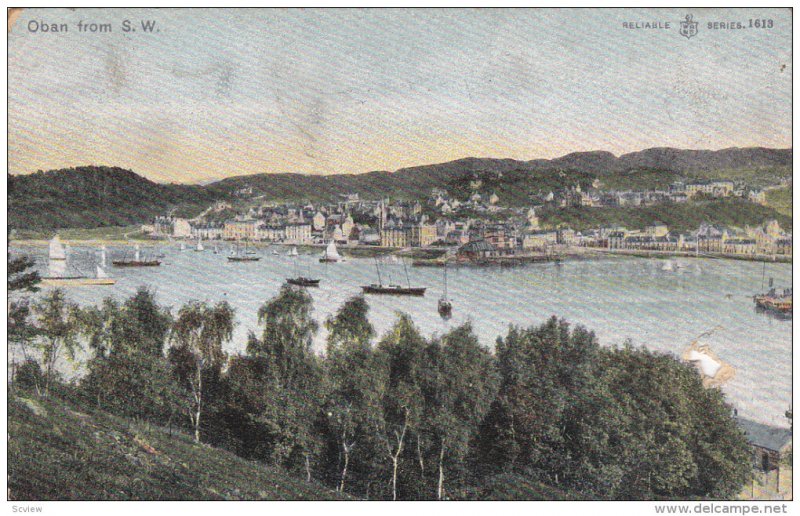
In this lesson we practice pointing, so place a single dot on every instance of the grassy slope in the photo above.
(57, 452)
(780, 199)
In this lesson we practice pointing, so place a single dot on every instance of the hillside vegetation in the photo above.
(58, 450)
(91, 197)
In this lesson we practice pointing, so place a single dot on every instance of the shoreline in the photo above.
(431, 256)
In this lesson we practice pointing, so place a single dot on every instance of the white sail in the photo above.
(137, 254)
(57, 268)
(103, 256)
(57, 251)
(331, 253)
(183, 246)
(293, 252)
(667, 266)
(200, 244)
(101, 273)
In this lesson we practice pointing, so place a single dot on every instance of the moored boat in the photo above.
(302, 281)
(137, 260)
(331, 254)
(393, 290)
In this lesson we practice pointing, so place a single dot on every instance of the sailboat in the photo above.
(331, 254)
(199, 245)
(293, 252)
(103, 256)
(445, 306)
(302, 281)
(216, 249)
(395, 290)
(239, 256)
(667, 266)
(137, 260)
(57, 270)
(183, 246)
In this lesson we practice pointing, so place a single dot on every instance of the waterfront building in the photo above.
(245, 229)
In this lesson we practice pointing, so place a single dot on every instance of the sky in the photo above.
(217, 93)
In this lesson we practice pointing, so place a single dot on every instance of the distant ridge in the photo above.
(106, 196)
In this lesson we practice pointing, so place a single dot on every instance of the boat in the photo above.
(103, 256)
(394, 290)
(445, 306)
(778, 303)
(774, 301)
(242, 256)
(137, 260)
(293, 252)
(331, 254)
(302, 281)
(57, 270)
(183, 246)
(216, 250)
(667, 266)
(199, 245)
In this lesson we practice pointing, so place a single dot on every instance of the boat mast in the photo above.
(408, 281)
(445, 280)
(378, 269)
(763, 273)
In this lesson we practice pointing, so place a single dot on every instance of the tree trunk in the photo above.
(308, 469)
(396, 456)
(419, 457)
(440, 489)
(344, 469)
(198, 397)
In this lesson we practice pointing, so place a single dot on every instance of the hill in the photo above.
(90, 197)
(58, 451)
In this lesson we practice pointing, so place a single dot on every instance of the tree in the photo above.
(199, 333)
(129, 341)
(458, 396)
(400, 353)
(353, 405)
(292, 377)
(21, 280)
(57, 322)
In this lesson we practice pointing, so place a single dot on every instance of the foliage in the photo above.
(680, 217)
(57, 329)
(780, 199)
(129, 341)
(197, 356)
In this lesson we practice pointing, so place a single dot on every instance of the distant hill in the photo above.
(88, 197)
(58, 450)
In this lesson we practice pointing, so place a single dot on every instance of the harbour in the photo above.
(618, 297)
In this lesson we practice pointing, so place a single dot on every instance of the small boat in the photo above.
(275, 252)
(137, 260)
(293, 252)
(216, 250)
(667, 266)
(445, 306)
(302, 281)
(396, 290)
(242, 256)
(331, 254)
(183, 246)
(199, 245)
(393, 290)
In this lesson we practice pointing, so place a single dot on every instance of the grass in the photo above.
(59, 451)
(104, 233)
(780, 200)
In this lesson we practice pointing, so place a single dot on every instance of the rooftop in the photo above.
(764, 436)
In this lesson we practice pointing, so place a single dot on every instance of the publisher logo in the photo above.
(688, 27)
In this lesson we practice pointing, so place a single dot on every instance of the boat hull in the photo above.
(136, 263)
(243, 258)
(303, 282)
(394, 291)
(330, 260)
(76, 282)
